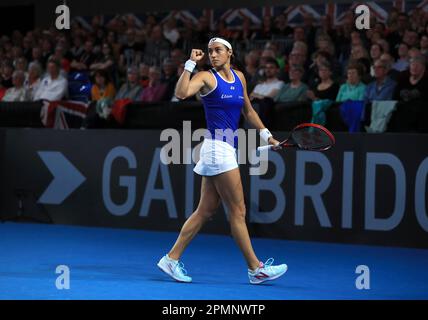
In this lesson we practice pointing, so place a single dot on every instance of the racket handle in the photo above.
(263, 148)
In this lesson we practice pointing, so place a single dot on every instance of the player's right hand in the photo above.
(196, 55)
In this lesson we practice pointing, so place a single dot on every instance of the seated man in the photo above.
(382, 88)
(269, 88)
(53, 86)
(264, 93)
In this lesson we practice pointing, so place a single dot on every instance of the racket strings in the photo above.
(312, 138)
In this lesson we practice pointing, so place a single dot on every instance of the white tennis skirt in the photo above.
(216, 157)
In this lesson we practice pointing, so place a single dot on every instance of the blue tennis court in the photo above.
(121, 264)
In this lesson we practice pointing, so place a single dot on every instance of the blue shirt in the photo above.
(223, 105)
(376, 92)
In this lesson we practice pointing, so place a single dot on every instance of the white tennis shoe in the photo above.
(266, 271)
(174, 269)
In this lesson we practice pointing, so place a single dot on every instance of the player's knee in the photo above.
(206, 213)
(239, 212)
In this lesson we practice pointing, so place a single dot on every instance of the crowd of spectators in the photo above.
(313, 61)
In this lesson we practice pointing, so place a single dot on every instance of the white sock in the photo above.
(167, 256)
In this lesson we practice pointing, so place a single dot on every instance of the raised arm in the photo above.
(187, 87)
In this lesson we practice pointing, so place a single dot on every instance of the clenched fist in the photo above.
(196, 55)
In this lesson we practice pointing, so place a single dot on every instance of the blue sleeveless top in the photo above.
(222, 107)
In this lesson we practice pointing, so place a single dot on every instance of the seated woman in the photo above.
(354, 88)
(412, 93)
(17, 92)
(156, 89)
(103, 87)
(413, 86)
(323, 94)
(296, 89)
(327, 89)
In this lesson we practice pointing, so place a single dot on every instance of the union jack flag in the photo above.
(233, 17)
(63, 114)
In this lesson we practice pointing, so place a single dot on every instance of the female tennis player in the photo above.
(224, 95)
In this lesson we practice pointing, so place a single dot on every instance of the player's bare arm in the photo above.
(186, 86)
(248, 111)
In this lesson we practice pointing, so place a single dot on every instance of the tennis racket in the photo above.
(307, 136)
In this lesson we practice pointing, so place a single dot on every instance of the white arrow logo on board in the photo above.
(66, 177)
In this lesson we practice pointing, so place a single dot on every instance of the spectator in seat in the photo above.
(389, 60)
(297, 57)
(384, 44)
(77, 49)
(326, 89)
(263, 95)
(33, 81)
(270, 87)
(252, 69)
(414, 86)
(59, 55)
(382, 88)
(157, 47)
(36, 56)
(169, 77)
(46, 50)
(53, 86)
(103, 87)
(105, 61)
(6, 74)
(88, 57)
(267, 29)
(144, 74)
(296, 89)
(412, 93)
(21, 65)
(361, 56)
(353, 89)
(132, 88)
(17, 92)
(402, 62)
(130, 52)
(376, 50)
(156, 90)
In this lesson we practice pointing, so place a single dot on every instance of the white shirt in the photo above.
(50, 89)
(31, 88)
(14, 94)
(265, 88)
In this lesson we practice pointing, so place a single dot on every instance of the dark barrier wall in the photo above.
(368, 189)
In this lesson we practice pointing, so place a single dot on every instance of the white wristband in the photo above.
(265, 134)
(190, 65)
